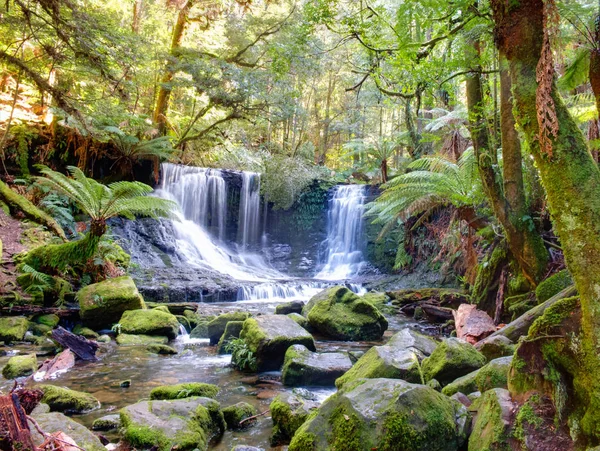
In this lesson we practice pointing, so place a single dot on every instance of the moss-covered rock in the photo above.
(445, 296)
(185, 390)
(217, 326)
(102, 304)
(200, 331)
(39, 330)
(340, 314)
(495, 347)
(302, 367)
(161, 349)
(50, 320)
(300, 320)
(451, 359)
(238, 412)
(66, 400)
(149, 322)
(232, 330)
(13, 328)
(140, 340)
(516, 305)
(185, 424)
(162, 308)
(384, 361)
(19, 366)
(269, 337)
(494, 374)
(383, 414)
(85, 332)
(410, 340)
(492, 426)
(288, 413)
(289, 307)
(553, 285)
(57, 422)
(465, 384)
(107, 423)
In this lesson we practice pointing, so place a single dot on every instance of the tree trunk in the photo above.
(138, 11)
(572, 182)
(525, 244)
(594, 73)
(384, 171)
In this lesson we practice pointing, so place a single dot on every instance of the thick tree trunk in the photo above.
(572, 182)
(525, 244)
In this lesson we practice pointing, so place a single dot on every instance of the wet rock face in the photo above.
(289, 412)
(384, 414)
(306, 368)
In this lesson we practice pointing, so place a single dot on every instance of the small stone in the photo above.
(106, 423)
(289, 307)
(66, 400)
(125, 384)
(161, 349)
(20, 366)
(236, 413)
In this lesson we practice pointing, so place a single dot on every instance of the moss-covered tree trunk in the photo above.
(572, 182)
(525, 244)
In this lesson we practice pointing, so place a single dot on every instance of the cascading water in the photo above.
(344, 257)
(249, 218)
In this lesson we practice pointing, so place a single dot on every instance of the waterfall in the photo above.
(249, 218)
(344, 257)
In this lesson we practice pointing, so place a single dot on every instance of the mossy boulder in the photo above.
(161, 349)
(303, 367)
(466, 384)
(185, 390)
(57, 422)
(200, 330)
(492, 425)
(288, 413)
(300, 320)
(553, 285)
(107, 423)
(102, 304)
(289, 307)
(149, 322)
(269, 337)
(383, 414)
(495, 347)
(39, 330)
(494, 374)
(20, 366)
(85, 332)
(50, 320)
(232, 330)
(184, 424)
(162, 308)
(387, 362)
(13, 328)
(410, 340)
(69, 401)
(340, 314)
(217, 326)
(238, 412)
(140, 340)
(451, 359)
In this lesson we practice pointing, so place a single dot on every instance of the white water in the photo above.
(249, 218)
(344, 258)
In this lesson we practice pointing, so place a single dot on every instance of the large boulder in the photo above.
(150, 322)
(496, 346)
(233, 329)
(54, 422)
(269, 337)
(466, 385)
(384, 414)
(451, 359)
(494, 374)
(184, 423)
(288, 413)
(304, 367)
(216, 327)
(410, 340)
(492, 425)
(19, 366)
(185, 390)
(340, 314)
(102, 304)
(13, 328)
(63, 399)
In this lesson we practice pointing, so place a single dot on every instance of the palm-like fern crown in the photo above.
(102, 202)
(434, 181)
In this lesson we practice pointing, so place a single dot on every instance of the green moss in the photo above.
(451, 359)
(13, 328)
(238, 412)
(286, 420)
(149, 322)
(145, 437)
(186, 390)
(489, 431)
(50, 320)
(216, 327)
(527, 416)
(201, 330)
(554, 316)
(85, 332)
(161, 349)
(39, 330)
(493, 375)
(483, 293)
(519, 304)
(56, 258)
(347, 433)
(553, 285)
(465, 384)
(303, 441)
(300, 320)
(162, 308)
(19, 366)
(66, 400)
(232, 330)
(140, 340)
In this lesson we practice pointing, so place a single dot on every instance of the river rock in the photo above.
(184, 423)
(289, 307)
(304, 367)
(288, 413)
(140, 340)
(51, 320)
(494, 374)
(107, 423)
(472, 325)
(102, 304)
(185, 390)
(238, 412)
(217, 326)
(384, 414)
(69, 401)
(342, 315)
(232, 330)
(492, 425)
(150, 322)
(497, 346)
(20, 366)
(300, 320)
(85, 332)
(54, 422)
(451, 359)
(269, 337)
(410, 340)
(13, 328)
(465, 384)
(161, 349)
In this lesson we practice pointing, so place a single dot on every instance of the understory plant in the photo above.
(242, 357)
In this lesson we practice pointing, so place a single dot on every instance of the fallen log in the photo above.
(436, 314)
(20, 310)
(519, 327)
(14, 430)
(472, 324)
(53, 367)
(82, 347)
